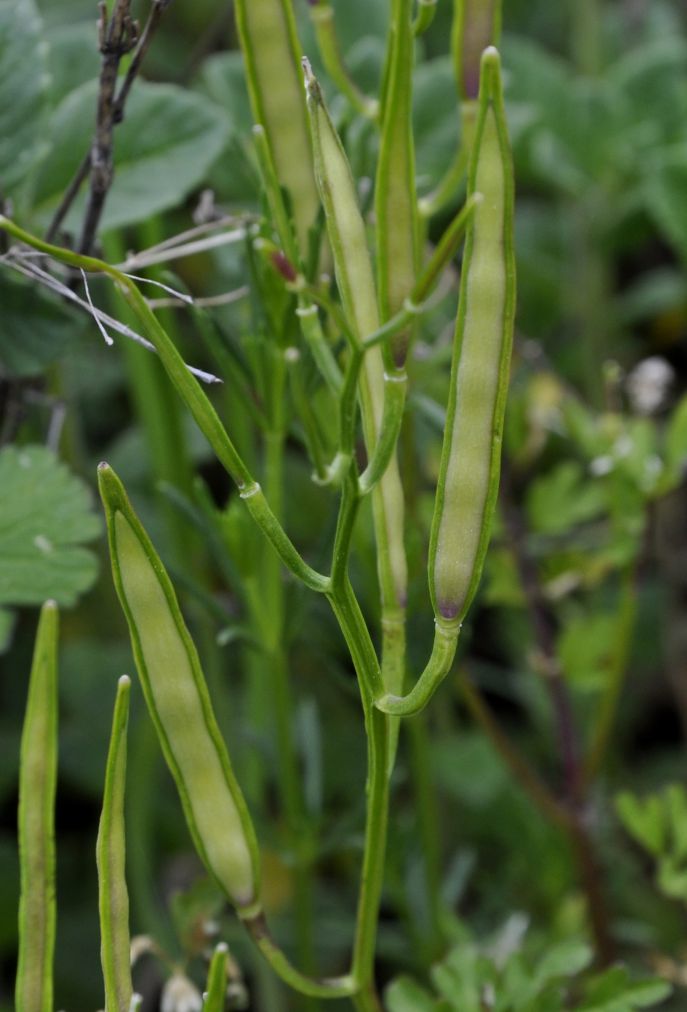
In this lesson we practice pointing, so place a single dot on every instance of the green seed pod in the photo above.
(395, 199)
(267, 32)
(179, 703)
(476, 25)
(355, 279)
(113, 897)
(37, 779)
(471, 453)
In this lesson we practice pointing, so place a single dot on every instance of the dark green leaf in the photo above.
(45, 518)
(163, 150)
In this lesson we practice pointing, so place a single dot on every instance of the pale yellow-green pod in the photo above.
(471, 453)
(37, 781)
(179, 703)
(267, 31)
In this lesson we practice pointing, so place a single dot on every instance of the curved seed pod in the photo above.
(179, 703)
(471, 453)
(267, 32)
(37, 778)
(110, 852)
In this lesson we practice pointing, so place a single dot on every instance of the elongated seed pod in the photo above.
(355, 279)
(110, 850)
(476, 25)
(37, 778)
(267, 32)
(179, 703)
(395, 200)
(471, 452)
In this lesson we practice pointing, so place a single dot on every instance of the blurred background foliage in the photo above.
(591, 537)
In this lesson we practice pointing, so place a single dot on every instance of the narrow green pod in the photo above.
(179, 702)
(471, 452)
(110, 851)
(267, 32)
(355, 279)
(36, 823)
(395, 199)
(214, 997)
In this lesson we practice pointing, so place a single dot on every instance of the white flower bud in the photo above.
(180, 995)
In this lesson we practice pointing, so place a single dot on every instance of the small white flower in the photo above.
(602, 465)
(648, 385)
(180, 995)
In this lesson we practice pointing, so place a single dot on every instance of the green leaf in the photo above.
(672, 879)
(23, 90)
(675, 446)
(643, 819)
(163, 150)
(405, 995)
(613, 991)
(586, 648)
(563, 498)
(45, 518)
(73, 57)
(665, 194)
(35, 328)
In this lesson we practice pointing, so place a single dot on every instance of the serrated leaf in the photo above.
(23, 90)
(563, 498)
(45, 518)
(35, 328)
(164, 148)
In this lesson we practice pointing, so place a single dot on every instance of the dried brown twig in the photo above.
(118, 36)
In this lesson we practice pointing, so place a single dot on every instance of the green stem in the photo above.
(438, 666)
(336, 987)
(322, 17)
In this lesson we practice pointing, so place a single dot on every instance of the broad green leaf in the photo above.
(35, 327)
(23, 90)
(73, 57)
(45, 517)
(163, 150)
